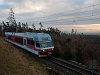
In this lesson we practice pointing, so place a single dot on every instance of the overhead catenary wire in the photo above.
(81, 14)
(75, 17)
(68, 11)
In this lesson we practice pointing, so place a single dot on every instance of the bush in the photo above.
(56, 52)
(79, 55)
(67, 55)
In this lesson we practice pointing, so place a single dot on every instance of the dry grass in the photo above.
(16, 62)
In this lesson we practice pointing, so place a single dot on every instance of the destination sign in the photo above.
(44, 39)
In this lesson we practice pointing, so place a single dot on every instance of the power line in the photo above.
(68, 11)
(75, 14)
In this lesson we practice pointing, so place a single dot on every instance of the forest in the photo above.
(71, 46)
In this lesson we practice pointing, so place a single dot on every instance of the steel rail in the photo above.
(76, 68)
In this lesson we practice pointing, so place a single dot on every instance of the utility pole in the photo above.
(1, 28)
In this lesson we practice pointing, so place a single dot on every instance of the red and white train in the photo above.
(37, 43)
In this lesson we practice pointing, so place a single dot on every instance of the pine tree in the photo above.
(19, 27)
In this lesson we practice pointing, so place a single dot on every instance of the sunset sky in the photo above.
(81, 15)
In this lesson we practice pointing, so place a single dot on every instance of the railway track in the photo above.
(74, 68)
(66, 67)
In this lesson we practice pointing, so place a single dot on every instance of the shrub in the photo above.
(67, 55)
(56, 52)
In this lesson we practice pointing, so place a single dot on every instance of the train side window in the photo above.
(6, 36)
(19, 40)
(9, 37)
(28, 41)
(37, 44)
(31, 42)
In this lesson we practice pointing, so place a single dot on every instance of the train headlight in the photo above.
(43, 50)
(52, 49)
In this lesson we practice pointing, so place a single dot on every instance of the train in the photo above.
(37, 43)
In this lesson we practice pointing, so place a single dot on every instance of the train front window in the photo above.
(37, 44)
(50, 44)
(45, 44)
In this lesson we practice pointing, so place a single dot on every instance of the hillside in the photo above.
(13, 61)
(80, 48)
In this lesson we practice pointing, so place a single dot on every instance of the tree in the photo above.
(51, 29)
(33, 27)
(4, 28)
(48, 29)
(0, 29)
(26, 27)
(79, 54)
(4, 25)
(72, 31)
(12, 22)
(67, 54)
(8, 28)
(30, 30)
(41, 28)
(19, 28)
(23, 27)
(56, 52)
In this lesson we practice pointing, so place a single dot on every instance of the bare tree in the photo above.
(33, 27)
(72, 31)
(41, 28)
(26, 27)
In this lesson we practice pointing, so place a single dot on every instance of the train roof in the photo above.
(28, 34)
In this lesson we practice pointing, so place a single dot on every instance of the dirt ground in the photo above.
(13, 61)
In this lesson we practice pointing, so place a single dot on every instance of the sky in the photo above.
(81, 15)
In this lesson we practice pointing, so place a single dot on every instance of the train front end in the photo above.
(45, 44)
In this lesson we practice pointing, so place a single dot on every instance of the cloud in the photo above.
(87, 29)
(42, 7)
(52, 12)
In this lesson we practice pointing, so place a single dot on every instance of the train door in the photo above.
(24, 42)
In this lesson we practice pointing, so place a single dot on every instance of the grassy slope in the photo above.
(16, 62)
